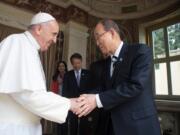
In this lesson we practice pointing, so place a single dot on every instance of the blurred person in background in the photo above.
(57, 79)
(77, 82)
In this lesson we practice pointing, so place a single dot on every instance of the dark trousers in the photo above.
(70, 127)
(110, 130)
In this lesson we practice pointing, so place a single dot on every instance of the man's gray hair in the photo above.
(109, 24)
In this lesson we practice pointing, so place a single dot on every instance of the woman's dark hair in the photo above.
(55, 76)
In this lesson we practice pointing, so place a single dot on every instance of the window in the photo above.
(165, 41)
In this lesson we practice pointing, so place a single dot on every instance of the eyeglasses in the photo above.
(98, 36)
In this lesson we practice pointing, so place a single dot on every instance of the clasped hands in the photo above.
(83, 105)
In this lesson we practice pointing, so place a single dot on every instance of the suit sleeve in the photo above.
(137, 81)
(44, 104)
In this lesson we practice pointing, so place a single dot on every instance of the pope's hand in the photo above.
(74, 105)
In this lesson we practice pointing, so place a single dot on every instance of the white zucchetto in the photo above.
(41, 17)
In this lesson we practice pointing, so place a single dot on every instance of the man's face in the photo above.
(76, 63)
(103, 39)
(48, 34)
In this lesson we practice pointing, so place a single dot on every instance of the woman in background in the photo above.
(56, 87)
(57, 79)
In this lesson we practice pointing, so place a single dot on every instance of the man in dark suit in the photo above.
(127, 96)
(76, 82)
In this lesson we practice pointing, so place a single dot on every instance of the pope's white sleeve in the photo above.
(44, 104)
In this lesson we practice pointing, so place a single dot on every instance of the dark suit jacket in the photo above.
(128, 96)
(70, 87)
(96, 73)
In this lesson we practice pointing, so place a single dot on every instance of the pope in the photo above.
(23, 94)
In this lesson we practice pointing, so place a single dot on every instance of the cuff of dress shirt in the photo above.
(98, 101)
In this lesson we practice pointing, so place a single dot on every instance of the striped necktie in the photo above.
(113, 60)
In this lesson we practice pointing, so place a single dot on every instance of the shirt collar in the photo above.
(118, 50)
(32, 40)
(75, 71)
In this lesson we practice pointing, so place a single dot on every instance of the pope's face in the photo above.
(48, 34)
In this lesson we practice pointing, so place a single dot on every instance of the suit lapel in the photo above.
(119, 61)
(81, 77)
(73, 75)
(107, 71)
(107, 68)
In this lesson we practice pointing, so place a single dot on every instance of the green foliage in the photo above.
(158, 42)
(173, 34)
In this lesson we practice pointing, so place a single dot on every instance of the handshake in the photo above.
(83, 105)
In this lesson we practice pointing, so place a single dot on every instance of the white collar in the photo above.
(79, 71)
(118, 50)
(32, 40)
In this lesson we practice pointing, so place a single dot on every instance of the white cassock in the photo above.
(23, 96)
